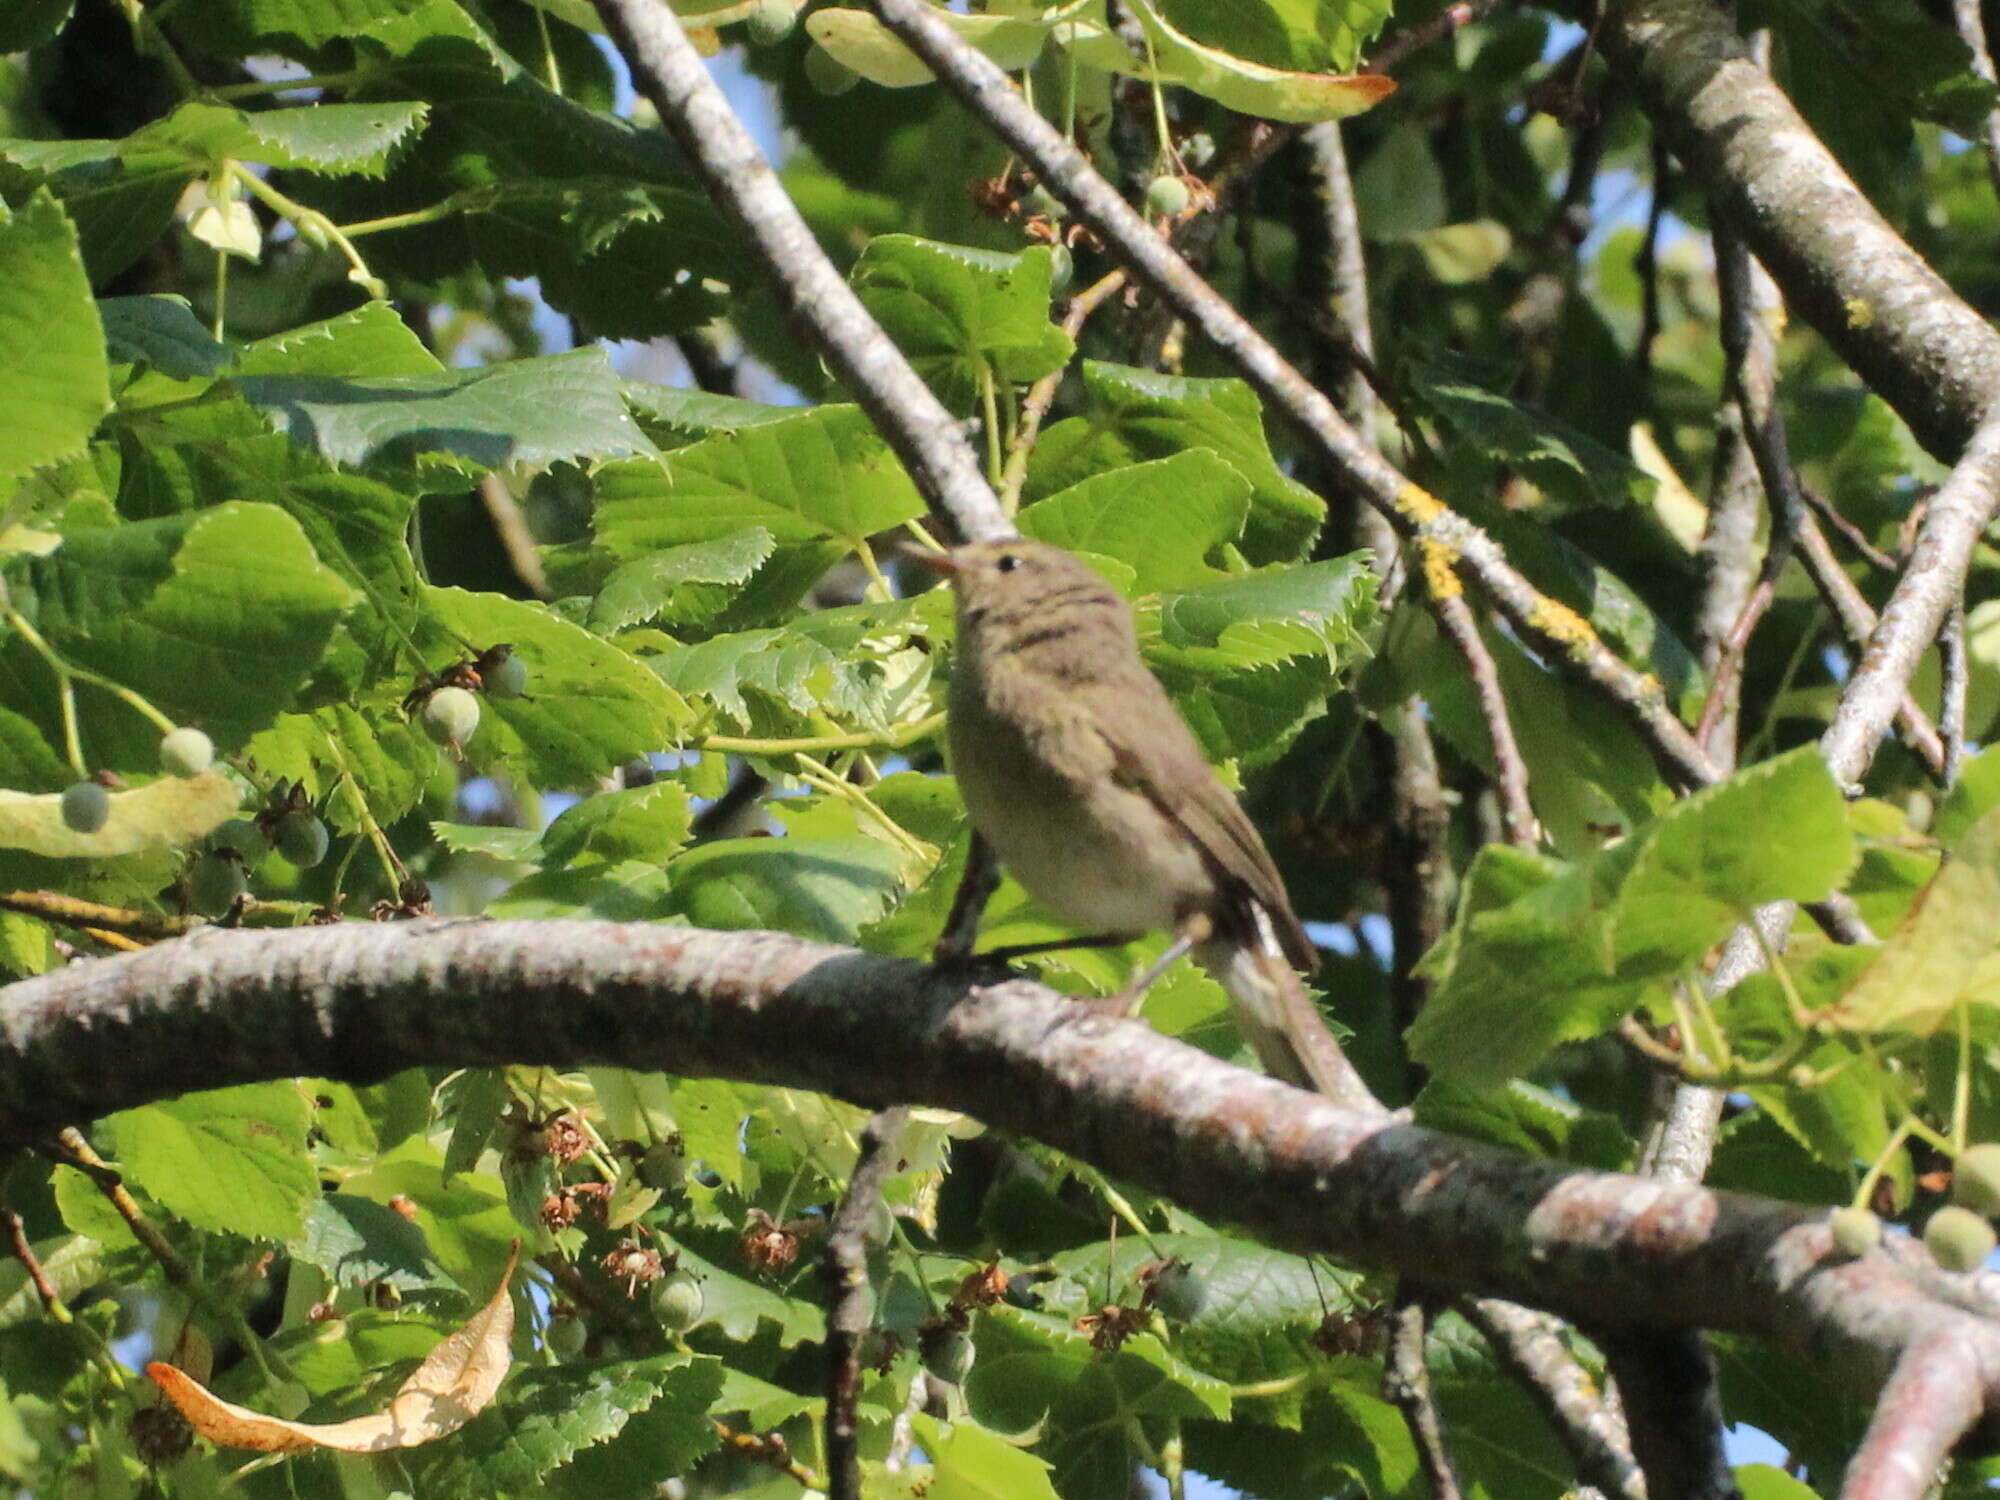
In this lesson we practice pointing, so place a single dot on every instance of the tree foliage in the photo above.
(385, 399)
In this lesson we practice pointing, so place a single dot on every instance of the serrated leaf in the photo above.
(640, 823)
(359, 1243)
(962, 316)
(50, 343)
(229, 1159)
(525, 411)
(738, 1307)
(171, 813)
(311, 138)
(822, 474)
(646, 588)
(1118, 514)
(969, 1463)
(369, 342)
(1135, 415)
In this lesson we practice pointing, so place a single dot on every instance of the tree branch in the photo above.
(849, 1308)
(668, 71)
(1904, 330)
(359, 1002)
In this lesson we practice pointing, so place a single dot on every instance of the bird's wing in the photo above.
(1156, 755)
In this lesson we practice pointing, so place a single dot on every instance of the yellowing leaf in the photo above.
(169, 813)
(451, 1387)
(1943, 952)
(863, 45)
(1253, 89)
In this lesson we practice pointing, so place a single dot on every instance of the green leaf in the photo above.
(162, 332)
(1118, 514)
(1775, 832)
(969, 1463)
(1284, 33)
(1527, 1120)
(525, 411)
(739, 1307)
(367, 343)
(823, 474)
(359, 1243)
(29, 23)
(230, 1159)
(1135, 415)
(170, 813)
(641, 823)
(655, 586)
(1943, 953)
(548, 1416)
(590, 707)
(120, 197)
(50, 343)
(962, 316)
(862, 45)
(824, 888)
(218, 618)
(310, 138)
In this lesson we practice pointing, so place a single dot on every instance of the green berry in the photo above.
(1975, 1180)
(828, 74)
(948, 1354)
(772, 21)
(566, 1336)
(85, 807)
(664, 1167)
(677, 1301)
(508, 678)
(1958, 1239)
(241, 836)
(1178, 1293)
(215, 881)
(1043, 202)
(451, 714)
(1166, 196)
(1856, 1231)
(1062, 269)
(302, 839)
(186, 752)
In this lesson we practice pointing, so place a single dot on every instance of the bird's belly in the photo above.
(1118, 866)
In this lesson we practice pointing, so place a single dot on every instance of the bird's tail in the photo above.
(1277, 1016)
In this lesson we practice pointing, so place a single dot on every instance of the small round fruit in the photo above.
(772, 21)
(214, 882)
(664, 1167)
(1856, 1231)
(829, 75)
(1062, 269)
(243, 836)
(1044, 203)
(677, 1301)
(948, 1354)
(302, 839)
(1958, 1239)
(186, 752)
(85, 807)
(1166, 196)
(506, 679)
(1198, 150)
(1975, 1180)
(566, 1336)
(1178, 1292)
(451, 714)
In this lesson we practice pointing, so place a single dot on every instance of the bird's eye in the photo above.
(1008, 562)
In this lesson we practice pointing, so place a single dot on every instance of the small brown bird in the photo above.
(1079, 772)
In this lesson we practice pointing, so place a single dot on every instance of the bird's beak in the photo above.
(940, 563)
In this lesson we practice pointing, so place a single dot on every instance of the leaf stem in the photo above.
(860, 739)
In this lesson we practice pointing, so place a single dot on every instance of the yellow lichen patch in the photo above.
(1559, 622)
(1860, 314)
(1419, 504)
(1440, 565)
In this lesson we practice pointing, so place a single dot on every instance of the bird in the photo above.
(1078, 771)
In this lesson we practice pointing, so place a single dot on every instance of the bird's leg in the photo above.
(1195, 929)
(975, 889)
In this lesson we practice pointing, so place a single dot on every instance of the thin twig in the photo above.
(1542, 622)
(849, 1308)
(1589, 1426)
(1956, 672)
(1829, 515)
(1972, 31)
(18, 1246)
(1454, 17)
(1729, 573)
(70, 911)
(1042, 394)
(1517, 813)
(669, 72)
(510, 525)
(1406, 1383)
(1646, 260)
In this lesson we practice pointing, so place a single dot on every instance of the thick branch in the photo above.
(362, 1001)
(1909, 336)
(668, 71)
